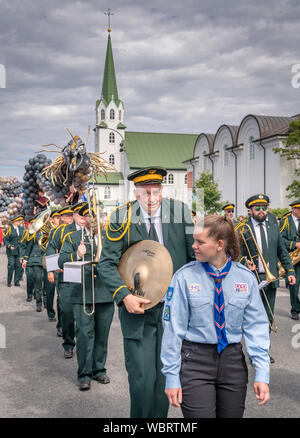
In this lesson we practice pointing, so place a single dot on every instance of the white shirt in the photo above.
(156, 218)
(256, 226)
(17, 229)
(295, 222)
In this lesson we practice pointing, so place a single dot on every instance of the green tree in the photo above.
(291, 151)
(210, 202)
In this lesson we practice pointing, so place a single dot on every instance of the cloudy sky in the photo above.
(182, 66)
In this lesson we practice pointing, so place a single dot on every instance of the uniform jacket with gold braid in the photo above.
(68, 253)
(11, 238)
(33, 252)
(276, 249)
(55, 243)
(289, 233)
(126, 227)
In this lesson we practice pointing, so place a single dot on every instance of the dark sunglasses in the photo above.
(229, 211)
(258, 208)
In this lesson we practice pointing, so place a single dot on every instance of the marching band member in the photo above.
(34, 259)
(28, 269)
(12, 237)
(150, 217)
(210, 305)
(290, 233)
(92, 329)
(67, 317)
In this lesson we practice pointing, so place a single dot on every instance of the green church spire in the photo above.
(109, 85)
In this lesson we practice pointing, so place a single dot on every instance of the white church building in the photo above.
(241, 158)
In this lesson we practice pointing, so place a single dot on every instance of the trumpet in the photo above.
(95, 228)
(269, 276)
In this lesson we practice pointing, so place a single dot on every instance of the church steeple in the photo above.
(109, 84)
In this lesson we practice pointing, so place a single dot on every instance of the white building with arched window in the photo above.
(243, 162)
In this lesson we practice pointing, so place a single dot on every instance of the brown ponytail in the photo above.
(221, 228)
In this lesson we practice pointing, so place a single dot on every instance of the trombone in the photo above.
(94, 226)
(269, 276)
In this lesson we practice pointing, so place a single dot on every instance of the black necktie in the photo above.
(264, 243)
(152, 232)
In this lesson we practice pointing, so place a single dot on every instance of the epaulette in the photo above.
(25, 236)
(285, 224)
(7, 232)
(58, 228)
(68, 234)
(31, 236)
(125, 223)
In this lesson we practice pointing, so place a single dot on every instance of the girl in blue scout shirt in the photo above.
(211, 304)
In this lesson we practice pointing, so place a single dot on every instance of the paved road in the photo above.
(37, 382)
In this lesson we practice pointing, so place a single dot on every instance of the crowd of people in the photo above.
(186, 350)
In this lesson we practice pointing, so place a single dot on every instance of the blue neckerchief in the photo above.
(219, 302)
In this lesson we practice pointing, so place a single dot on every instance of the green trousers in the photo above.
(38, 276)
(294, 291)
(67, 316)
(14, 267)
(29, 281)
(143, 365)
(92, 339)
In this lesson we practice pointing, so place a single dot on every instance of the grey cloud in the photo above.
(181, 66)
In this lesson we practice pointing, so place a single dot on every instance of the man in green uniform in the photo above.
(28, 270)
(34, 259)
(228, 210)
(49, 280)
(270, 243)
(12, 237)
(67, 318)
(169, 222)
(290, 233)
(93, 318)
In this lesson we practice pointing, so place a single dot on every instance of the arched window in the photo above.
(107, 192)
(251, 148)
(185, 178)
(170, 178)
(164, 181)
(112, 159)
(226, 156)
(111, 137)
(112, 114)
(102, 114)
(204, 160)
(120, 115)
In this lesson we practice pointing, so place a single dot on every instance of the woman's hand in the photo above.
(262, 393)
(175, 396)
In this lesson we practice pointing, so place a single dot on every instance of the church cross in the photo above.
(108, 16)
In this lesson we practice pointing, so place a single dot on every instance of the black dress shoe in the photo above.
(68, 354)
(59, 332)
(295, 316)
(17, 284)
(9, 285)
(39, 308)
(84, 386)
(28, 300)
(103, 379)
(52, 318)
(272, 360)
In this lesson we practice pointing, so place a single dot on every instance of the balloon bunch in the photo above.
(31, 181)
(11, 198)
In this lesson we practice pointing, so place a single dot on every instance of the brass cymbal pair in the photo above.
(147, 268)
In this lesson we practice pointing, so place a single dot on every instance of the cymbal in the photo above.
(147, 268)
